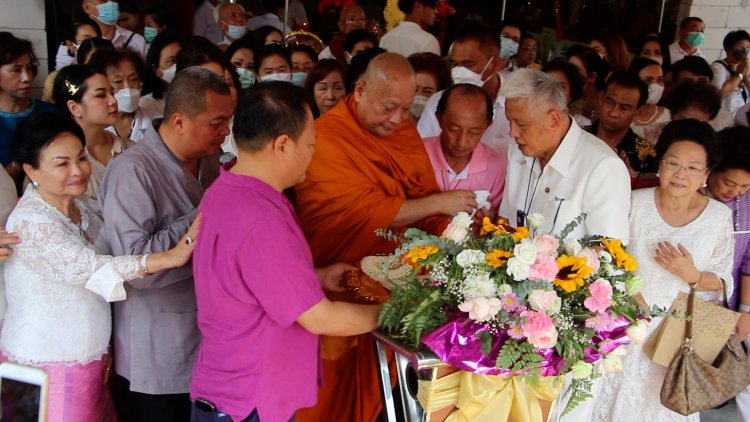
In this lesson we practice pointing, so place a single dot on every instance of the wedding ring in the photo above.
(188, 240)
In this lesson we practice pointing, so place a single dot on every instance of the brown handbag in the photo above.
(692, 384)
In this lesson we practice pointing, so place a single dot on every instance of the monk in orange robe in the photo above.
(370, 171)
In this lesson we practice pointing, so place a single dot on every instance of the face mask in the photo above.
(463, 75)
(284, 76)
(417, 105)
(508, 48)
(168, 73)
(127, 99)
(150, 33)
(739, 54)
(247, 78)
(236, 31)
(298, 78)
(109, 12)
(694, 39)
(602, 55)
(654, 93)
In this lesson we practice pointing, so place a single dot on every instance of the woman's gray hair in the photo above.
(539, 90)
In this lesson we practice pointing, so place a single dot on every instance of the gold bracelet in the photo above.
(700, 278)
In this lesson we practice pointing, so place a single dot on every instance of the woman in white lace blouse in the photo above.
(681, 239)
(59, 278)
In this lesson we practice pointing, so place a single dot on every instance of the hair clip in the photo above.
(71, 88)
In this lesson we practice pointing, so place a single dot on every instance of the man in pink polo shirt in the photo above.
(261, 305)
(459, 159)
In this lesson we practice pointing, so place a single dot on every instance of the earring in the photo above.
(704, 184)
(35, 183)
(657, 174)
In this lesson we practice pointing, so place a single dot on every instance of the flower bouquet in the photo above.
(513, 303)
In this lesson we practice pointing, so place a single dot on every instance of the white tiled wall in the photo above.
(720, 16)
(25, 19)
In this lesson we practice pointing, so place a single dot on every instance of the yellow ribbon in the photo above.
(440, 393)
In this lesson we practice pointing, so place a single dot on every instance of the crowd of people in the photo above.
(272, 165)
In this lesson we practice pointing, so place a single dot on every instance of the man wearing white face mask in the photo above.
(232, 21)
(475, 59)
(273, 63)
(624, 97)
(409, 36)
(105, 13)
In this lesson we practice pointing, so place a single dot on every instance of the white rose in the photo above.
(572, 246)
(481, 309)
(504, 289)
(518, 269)
(479, 285)
(605, 257)
(525, 252)
(463, 219)
(469, 257)
(456, 232)
(636, 332)
(535, 220)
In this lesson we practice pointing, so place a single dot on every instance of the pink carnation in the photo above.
(592, 258)
(542, 300)
(601, 296)
(543, 268)
(537, 323)
(545, 340)
(546, 245)
(601, 322)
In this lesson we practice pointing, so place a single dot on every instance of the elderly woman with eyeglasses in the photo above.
(60, 278)
(682, 239)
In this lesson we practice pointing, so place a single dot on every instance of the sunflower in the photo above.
(420, 253)
(502, 227)
(622, 258)
(573, 272)
(497, 257)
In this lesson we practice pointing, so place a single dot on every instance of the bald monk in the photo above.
(370, 170)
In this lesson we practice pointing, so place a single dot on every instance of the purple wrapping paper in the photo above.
(456, 343)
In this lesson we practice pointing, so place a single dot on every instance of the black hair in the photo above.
(356, 36)
(71, 30)
(640, 63)
(89, 45)
(358, 66)
(693, 94)
(70, 84)
(187, 93)
(12, 48)
(574, 77)
(487, 37)
(303, 48)
(685, 22)
(164, 18)
(239, 44)
(260, 34)
(690, 130)
(36, 132)
(733, 37)
(106, 58)
(466, 89)
(591, 63)
(197, 50)
(631, 81)
(153, 84)
(735, 150)
(666, 63)
(269, 110)
(693, 64)
(433, 64)
(269, 50)
(407, 6)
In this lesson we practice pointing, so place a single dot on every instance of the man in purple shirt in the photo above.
(459, 159)
(261, 305)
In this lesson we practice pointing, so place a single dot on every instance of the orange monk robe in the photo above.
(356, 183)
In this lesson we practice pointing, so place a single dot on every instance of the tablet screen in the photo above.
(20, 401)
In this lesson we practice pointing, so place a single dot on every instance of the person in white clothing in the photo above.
(106, 13)
(475, 59)
(690, 37)
(274, 11)
(232, 21)
(731, 73)
(560, 171)
(204, 24)
(409, 37)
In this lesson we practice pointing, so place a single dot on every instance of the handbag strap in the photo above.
(689, 321)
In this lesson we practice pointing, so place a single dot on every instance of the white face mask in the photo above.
(654, 93)
(127, 99)
(168, 74)
(464, 75)
(508, 48)
(236, 31)
(417, 105)
(283, 76)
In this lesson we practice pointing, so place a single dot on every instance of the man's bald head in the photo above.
(466, 93)
(384, 93)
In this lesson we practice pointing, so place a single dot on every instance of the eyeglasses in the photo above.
(675, 167)
(355, 20)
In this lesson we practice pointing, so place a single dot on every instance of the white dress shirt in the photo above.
(583, 175)
(137, 42)
(676, 53)
(408, 38)
(204, 24)
(497, 135)
(268, 19)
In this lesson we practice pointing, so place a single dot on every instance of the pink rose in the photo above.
(542, 300)
(537, 323)
(601, 322)
(543, 268)
(601, 296)
(481, 309)
(546, 244)
(546, 340)
(592, 258)
(455, 232)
